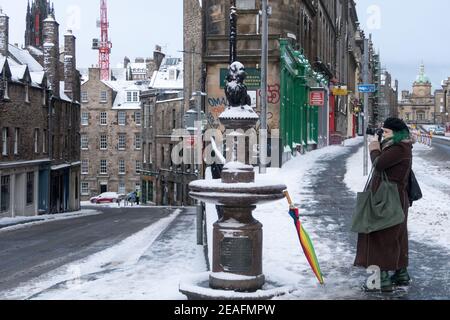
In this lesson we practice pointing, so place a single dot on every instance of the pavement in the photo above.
(333, 203)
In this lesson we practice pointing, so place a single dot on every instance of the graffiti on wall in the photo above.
(273, 93)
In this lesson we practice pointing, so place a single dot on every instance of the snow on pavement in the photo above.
(283, 259)
(429, 218)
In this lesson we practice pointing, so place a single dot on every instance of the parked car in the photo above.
(107, 197)
(439, 131)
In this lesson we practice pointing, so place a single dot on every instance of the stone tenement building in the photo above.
(111, 143)
(442, 104)
(39, 123)
(163, 181)
(325, 32)
(418, 107)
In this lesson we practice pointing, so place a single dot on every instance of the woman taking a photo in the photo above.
(388, 249)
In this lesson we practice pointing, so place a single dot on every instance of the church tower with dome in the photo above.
(418, 107)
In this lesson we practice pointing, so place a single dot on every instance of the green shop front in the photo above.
(303, 126)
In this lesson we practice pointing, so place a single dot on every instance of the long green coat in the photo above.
(388, 249)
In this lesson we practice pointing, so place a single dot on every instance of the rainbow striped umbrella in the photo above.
(305, 240)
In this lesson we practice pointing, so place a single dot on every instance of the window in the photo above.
(138, 166)
(103, 142)
(85, 166)
(146, 114)
(103, 118)
(30, 188)
(162, 120)
(122, 141)
(6, 93)
(174, 119)
(84, 97)
(144, 151)
(27, 93)
(122, 166)
(103, 97)
(172, 74)
(129, 96)
(36, 140)
(137, 186)
(122, 118)
(85, 188)
(44, 97)
(150, 158)
(84, 142)
(137, 141)
(16, 140)
(103, 167)
(4, 193)
(44, 141)
(420, 116)
(121, 187)
(137, 118)
(135, 96)
(5, 141)
(85, 119)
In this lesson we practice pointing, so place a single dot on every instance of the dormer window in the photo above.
(132, 96)
(172, 74)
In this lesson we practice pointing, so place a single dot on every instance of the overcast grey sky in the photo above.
(405, 31)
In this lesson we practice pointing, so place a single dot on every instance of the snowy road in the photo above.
(30, 252)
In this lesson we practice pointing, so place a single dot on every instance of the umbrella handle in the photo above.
(288, 198)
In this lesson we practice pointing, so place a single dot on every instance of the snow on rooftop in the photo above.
(24, 57)
(122, 88)
(18, 72)
(169, 76)
(62, 95)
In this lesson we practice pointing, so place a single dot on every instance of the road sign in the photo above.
(317, 98)
(340, 91)
(367, 88)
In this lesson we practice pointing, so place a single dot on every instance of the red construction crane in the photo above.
(104, 46)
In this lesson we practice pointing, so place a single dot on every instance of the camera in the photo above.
(375, 131)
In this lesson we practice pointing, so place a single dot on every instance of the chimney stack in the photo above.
(158, 56)
(4, 33)
(69, 65)
(51, 53)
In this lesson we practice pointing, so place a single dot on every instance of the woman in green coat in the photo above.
(388, 249)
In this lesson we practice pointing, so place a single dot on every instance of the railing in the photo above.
(424, 138)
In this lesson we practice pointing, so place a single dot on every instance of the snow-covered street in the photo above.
(150, 264)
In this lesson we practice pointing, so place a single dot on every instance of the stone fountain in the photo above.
(237, 237)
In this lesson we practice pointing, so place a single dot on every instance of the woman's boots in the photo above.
(401, 278)
(386, 282)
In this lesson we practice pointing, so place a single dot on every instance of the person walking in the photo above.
(138, 196)
(388, 249)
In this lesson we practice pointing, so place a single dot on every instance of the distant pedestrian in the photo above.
(138, 196)
(388, 249)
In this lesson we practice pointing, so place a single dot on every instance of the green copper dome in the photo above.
(422, 78)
